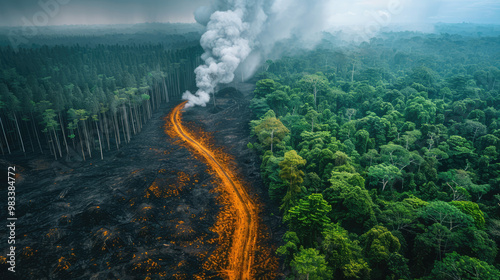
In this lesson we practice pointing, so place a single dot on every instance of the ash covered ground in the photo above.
(144, 211)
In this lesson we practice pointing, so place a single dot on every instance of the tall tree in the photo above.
(309, 218)
(270, 131)
(291, 174)
(312, 264)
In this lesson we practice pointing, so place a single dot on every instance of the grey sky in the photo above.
(101, 11)
(12, 12)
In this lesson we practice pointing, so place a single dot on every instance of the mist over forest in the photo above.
(250, 140)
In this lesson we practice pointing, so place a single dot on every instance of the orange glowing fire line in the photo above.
(245, 236)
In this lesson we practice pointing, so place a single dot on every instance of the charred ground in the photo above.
(145, 210)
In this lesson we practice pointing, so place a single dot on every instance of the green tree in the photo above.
(421, 110)
(290, 247)
(402, 215)
(270, 174)
(362, 137)
(398, 156)
(311, 116)
(309, 218)
(455, 266)
(311, 264)
(379, 246)
(446, 229)
(315, 84)
(270, 131)
(291, 174)
(445, 214)
(278, 100)
(352, 204)
(384, 174)
(461, 185)
(472, 209)
(259, 107)
(264, 87)
(460, 151)
(344, 255)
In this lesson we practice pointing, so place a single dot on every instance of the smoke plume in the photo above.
(232, 27)
(246, 32)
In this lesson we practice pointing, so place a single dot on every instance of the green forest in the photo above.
(75, 102)
(383, 158)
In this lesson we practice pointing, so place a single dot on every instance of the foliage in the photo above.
(311, 264)
(344, 255)
(292, 175)
(290, 247)
(403, 145)
(455, 266)
(471, 209)
(270, 131)
(309, 218)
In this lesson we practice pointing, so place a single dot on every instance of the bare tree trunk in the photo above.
(81, 142)
(105, 125)
(117, 130)
(125, 120)
(99, 136)
(152, 94)
(166, 91)
(148, 109)
(475, 133)
(131, 117)
(5, 136)
(64, 135)
(29, 137)
(138, 119)
(19, 132)
(48, 142)
(57, 142)
(125, 128)
(37, 137)
(52, 144)
(87, 140)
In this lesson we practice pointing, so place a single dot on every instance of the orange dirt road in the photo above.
(244, 241)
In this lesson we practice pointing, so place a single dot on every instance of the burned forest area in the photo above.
(146, 210)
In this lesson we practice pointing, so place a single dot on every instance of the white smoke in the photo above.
(226, 44)
(229, 39)
(238, 28)
(246, 31)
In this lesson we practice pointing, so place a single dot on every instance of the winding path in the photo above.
(245, 235)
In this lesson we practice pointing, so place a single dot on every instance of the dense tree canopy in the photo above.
(400, 136)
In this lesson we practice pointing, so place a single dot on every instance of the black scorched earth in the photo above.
(145, 212)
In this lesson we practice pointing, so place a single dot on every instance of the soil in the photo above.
(144, 211)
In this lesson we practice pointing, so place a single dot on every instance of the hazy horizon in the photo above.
(113, 12)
